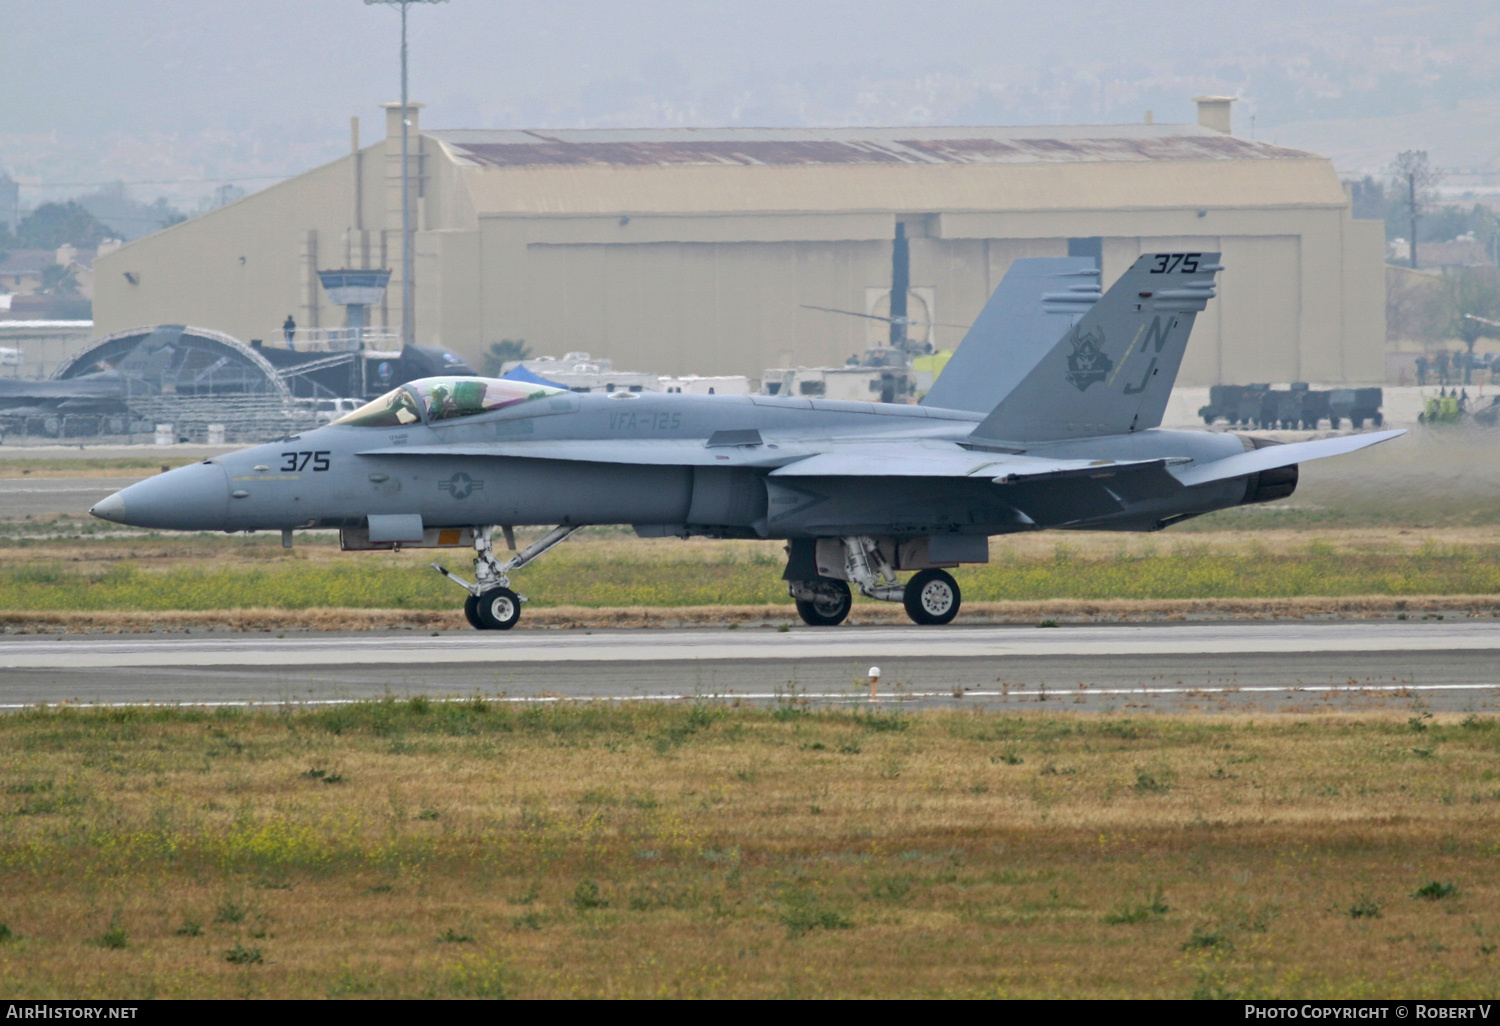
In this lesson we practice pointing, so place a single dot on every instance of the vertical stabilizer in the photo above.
(1035, 304)
(1113, 371)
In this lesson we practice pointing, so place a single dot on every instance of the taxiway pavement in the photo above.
(1220, 667)
(40, 496)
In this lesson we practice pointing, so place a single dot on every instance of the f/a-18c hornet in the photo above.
(1047, 416)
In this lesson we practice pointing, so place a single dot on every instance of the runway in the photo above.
(40, 496)
(1225, 667)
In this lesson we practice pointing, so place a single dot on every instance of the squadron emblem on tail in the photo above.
(1087, 363)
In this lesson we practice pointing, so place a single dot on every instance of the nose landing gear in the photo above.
(491, 605)
(496, 610)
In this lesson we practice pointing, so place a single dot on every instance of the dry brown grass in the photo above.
(863, 614)
(608, 578)
(20, 621)
(415, 849)
(602, 545)
(63, 468)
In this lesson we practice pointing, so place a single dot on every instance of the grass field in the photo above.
(87, 466)
(422, 849)
(610, 569)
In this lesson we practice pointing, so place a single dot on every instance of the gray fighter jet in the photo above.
(1047, 416)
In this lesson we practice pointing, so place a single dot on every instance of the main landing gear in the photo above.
(931, 597)
(827, 604)
(491, 605)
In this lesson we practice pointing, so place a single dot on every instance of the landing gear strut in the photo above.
(931, 597)
(491, 605)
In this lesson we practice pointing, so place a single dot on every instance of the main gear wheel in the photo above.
(829, 606)
(932, 598)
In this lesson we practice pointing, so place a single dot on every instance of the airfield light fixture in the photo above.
(408, 247)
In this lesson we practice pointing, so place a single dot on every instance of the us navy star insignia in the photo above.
(461, 486)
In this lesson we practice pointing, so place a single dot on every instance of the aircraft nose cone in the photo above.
(192, 498)
(112, 508)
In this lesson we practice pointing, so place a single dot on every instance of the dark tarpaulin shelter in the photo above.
(520, 373)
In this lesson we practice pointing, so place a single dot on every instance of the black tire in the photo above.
(932, 598)
(498, 609)
(829, 609)
(471, 612)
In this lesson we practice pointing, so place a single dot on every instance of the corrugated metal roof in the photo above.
(782, 147)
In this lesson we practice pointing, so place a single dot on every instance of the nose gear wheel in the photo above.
(471, 612)
(497, 609)
(491, 605)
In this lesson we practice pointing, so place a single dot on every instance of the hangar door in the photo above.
(1260, 304)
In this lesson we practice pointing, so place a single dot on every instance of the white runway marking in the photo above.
(649, 645)
(854, 696)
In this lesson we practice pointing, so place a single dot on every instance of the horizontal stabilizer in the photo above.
(1273, 456)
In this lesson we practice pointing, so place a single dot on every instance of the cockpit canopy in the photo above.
(444, 399)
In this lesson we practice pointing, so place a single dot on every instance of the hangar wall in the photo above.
(681, 269)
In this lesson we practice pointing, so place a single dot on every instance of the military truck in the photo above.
(1356, 405)
(1291, 408)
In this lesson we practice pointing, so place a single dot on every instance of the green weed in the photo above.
(1203, 938)
(1434, 890)
(1154, 907)
(801, 919)
(1148, 783)
(586, 896)
(241, 955)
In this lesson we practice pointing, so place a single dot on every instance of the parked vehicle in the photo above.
(1292, 408)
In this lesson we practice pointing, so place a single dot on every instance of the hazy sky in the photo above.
(148, 90)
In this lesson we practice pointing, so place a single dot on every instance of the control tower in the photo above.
(356, 292)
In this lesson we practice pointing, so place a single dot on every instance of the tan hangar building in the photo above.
(696, 250)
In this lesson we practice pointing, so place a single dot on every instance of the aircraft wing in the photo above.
(678, 452)
(915, 459)
(1273, 456)
(868, 458)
